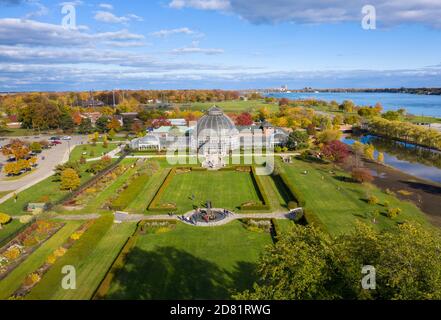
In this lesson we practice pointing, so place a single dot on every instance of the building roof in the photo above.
(215, 120)
(148, 139)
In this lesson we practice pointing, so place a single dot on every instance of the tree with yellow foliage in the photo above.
(4, 219)
(69, 179)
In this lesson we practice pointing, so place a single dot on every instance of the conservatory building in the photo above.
(215, 137)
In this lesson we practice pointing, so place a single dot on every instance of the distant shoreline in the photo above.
(416, 91)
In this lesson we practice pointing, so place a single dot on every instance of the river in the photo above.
(417, 161)
(427, 105)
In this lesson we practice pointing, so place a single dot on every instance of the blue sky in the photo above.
(231, 44)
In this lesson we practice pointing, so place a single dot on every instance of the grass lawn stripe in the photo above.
(92, 270)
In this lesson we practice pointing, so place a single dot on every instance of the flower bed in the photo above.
(17, 250)
(35, 277)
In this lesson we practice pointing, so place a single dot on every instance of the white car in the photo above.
(66, 138)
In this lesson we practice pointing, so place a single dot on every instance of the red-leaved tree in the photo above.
(244, 119)
(335, 151)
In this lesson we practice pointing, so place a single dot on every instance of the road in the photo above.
(53, 157)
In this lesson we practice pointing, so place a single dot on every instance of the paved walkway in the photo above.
(124, 217)
(111, 154)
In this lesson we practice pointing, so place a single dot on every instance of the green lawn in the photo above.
(9, 229)
(91, 151)
(190, 263)
(13, 281)
(139, 205)
(40, 192)
(339, 203)
(91, 270)
(233, 106)
(225, 189)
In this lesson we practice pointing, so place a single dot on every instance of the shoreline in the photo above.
(425, 194)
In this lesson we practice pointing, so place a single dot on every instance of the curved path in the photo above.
(125, 217)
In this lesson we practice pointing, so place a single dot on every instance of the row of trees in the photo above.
(307, 263)
(406, 132)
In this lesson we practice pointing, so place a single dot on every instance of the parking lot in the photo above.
(52, 157)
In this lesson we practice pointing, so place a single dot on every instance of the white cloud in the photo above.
(39, 12)
(168, 32)
(194, 48)
(108, 17)
(106, 6)
(72, 3)
(389, 12)
(200, 4)
(31, 32)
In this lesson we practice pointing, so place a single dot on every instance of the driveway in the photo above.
(54, 156)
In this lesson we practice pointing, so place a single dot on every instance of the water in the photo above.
(419, 162)
(428, 105)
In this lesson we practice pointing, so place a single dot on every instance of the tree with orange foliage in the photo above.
(16, 148)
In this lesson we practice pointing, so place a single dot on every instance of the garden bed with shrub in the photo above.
(18, 249)
(35, 277)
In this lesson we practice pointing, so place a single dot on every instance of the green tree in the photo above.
(85, 126)
(101, 123)
(297, 140)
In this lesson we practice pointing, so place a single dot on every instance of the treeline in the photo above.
(406, 132)
(12, 102)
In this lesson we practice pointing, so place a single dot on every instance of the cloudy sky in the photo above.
(229, 44)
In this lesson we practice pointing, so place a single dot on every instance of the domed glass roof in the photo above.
(216, 121)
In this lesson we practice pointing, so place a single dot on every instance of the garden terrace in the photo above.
(234, 188)
(183, 262)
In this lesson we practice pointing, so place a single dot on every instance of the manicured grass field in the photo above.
(13, 281)
(190, 263)
(225, 189)
(339, 203)
(40, 192)
(233, 106)
(91, 270)
(141, 202)
(91, 151)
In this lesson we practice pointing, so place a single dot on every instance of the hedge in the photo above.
(153, 206)
(129, 194)
(311, 218)
(260, 193)
(295, 193)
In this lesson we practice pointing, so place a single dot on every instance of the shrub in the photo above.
(362, 175)
(12, 253)
(25, 219)
(32, 279)
(373, 200)
(4, 219)
(393, 212)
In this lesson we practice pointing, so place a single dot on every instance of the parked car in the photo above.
(56, 142)
(54, 138)
(66, 138)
